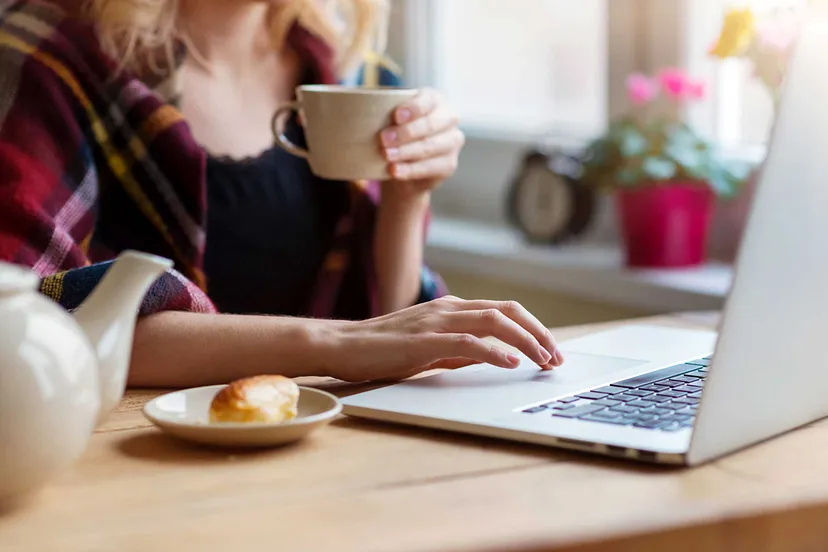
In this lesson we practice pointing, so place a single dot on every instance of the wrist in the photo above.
(396, 191)
(396, 200)
(325, 342)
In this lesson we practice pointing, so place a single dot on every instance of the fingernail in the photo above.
(399, 171)
(513, 359)
(392, 154)
(389, 138)
(559, 357)
(403, 115)
(544, 355)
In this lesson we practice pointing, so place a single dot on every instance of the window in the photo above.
(739, 112)
(525, 66)
(516, 71)
(518, 67)
(524, 71)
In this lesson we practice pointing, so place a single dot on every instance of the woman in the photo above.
(144, 125)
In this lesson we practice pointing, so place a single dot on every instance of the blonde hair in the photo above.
(142, 32)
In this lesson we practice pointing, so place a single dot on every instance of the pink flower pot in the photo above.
(665, 226)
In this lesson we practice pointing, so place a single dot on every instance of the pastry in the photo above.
(260, 399)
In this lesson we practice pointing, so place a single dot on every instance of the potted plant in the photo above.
(665, 175)
(763, 41)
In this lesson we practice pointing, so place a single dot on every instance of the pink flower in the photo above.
(696, 89)
(674, 82)
(640, 89)
(677, 84)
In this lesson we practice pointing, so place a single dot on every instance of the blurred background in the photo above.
(552, 76)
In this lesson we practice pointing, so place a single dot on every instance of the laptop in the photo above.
(677, 396)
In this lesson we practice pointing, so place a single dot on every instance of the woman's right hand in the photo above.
(445, 333)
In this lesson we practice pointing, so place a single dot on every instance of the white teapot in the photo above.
(62, 375)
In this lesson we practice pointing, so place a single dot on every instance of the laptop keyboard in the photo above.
(664, 400)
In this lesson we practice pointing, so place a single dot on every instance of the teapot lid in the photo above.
(14, 279)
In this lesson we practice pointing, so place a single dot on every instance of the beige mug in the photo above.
(342, 127)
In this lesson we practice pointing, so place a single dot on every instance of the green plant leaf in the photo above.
(632, 143)
(739, 171)
(659, 168)
(724, 181)
(691, 160)
(628, 176)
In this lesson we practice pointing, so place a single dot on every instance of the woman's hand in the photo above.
(423, 145)
(445, 333)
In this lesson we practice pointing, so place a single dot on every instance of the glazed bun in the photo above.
(260, 399)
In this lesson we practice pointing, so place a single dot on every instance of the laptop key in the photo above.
(677, 418)
(687, 400)
(617, 421)
(606, 415)
(698, 374)
(686, 389)
(608, 402)
(610, 390)
(670, 427)
(643, 392)
(579, 411)
(652, 377)
(640, 416)
(624, 409)
(590, 395)
(641, 403)
(534, 410)
(688, 423)
(568, 400)
(625, 397)
(684, 379)
(654, 388)
(696, 395)
(650, 424)
(560, 406)
(670, 383)
(667, 395)
(701, 362)
(661, 402)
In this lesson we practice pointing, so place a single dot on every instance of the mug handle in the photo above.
(278, 125)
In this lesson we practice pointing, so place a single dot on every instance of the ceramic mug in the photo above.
(342, 127)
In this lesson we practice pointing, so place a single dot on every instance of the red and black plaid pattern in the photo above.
(94, 162)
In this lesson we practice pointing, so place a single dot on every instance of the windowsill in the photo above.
(588, 271)
(579, 138)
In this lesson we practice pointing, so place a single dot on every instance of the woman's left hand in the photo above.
(423, 145)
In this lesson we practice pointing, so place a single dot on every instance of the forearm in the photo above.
(398, 249)
(178, 349)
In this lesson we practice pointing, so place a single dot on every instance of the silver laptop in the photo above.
(676, 396)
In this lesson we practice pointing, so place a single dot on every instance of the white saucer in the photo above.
(185, 415)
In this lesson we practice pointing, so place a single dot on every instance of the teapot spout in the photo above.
(108, 318)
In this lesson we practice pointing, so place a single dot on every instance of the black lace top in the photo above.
(269, 225)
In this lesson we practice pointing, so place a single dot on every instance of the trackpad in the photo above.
(580, 370)
(486, 391)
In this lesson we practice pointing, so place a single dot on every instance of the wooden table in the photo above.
(363, 486)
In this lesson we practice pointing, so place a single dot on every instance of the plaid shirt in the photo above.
(94, 161)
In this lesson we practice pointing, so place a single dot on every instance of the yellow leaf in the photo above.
(737, 33)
